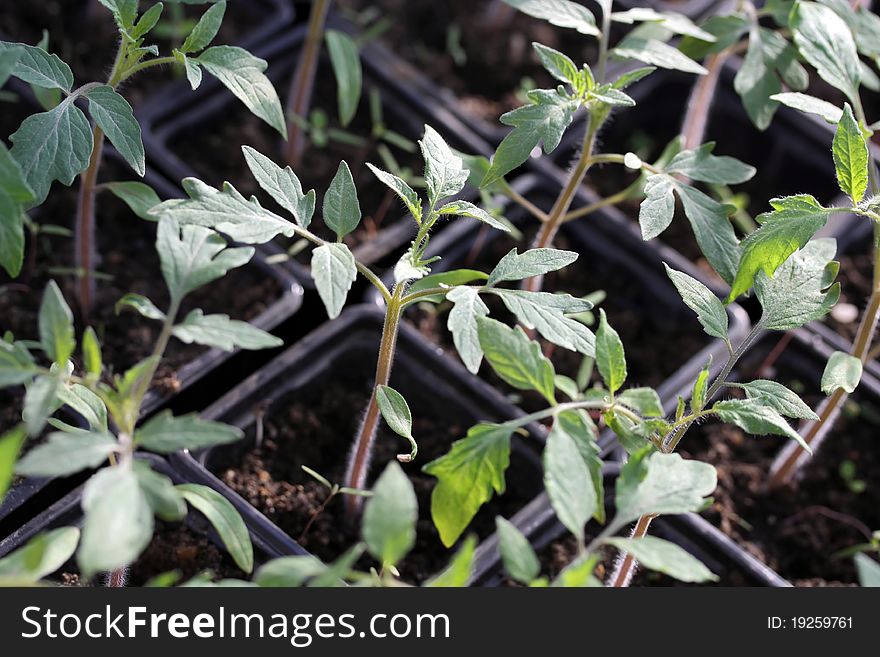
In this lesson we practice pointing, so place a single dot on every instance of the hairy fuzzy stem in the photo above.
(300, 95)
(693, 129)
(359, 458)
(84, 232)
(786, 466)
(626, 566)
(117, 578)
(563, 202)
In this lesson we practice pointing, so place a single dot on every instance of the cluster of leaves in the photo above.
(57, 144)
(121, 499)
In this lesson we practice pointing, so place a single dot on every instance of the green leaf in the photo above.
(397, 415)
(289, 571)
(545, 119)
(223, 333)
(841, 371)
(445, 174)
(868, 571)
(138, 196)
(205, 30)
(696, 296)
(15, 196)
(459, 572)
(53, 145)
(118, 521)
(225, 520)
(334, 270)
(390, 515)
(791, 224)
(346, 63)
(468, 209)
(712, 229)
(826, 42)
(612, 97)
(658, 209)
(462, 323)
(37, 67)
(86, 403)
(40, 401)
(166, 434)
(8, 59)
(645, 401)
(631, 77)
(342, 212)
(700, 164)
(164, 499)
(675, 23)
(193, 71)
(665, 557)
(557, 64)
(698, 393)
(141, 304)
(402, 189)
(515, 358)
(656, 53)
(568, 482)
(520, 560)
(148, 21)
(124, 11)
(242, 74)
(779, 398)
(850, 154)
(579, 573)
(282, 185)
(41, 556)
(56, 325)
(654, 483)
(225, 211)
(802, 289)
(755, 417)
(193, 256)
(467, 476)
(115, 117)
(10, 445)
(534, 262)
(547, 313)
(91, 350)
(561, 13)
(769, 57)
(610, 357)
(16, 364)
(810, 105)
(66, 453)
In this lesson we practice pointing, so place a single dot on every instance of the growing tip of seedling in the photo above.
(405, 458)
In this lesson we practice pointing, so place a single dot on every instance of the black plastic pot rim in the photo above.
(67, 512)
(538, 523)
(311, 355)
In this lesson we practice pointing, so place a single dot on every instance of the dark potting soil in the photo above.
(214, 153)
(654, 349)
(91, 59)
(127, 246)
(798, 530)
(499, 62)
(318, 435)
(175, 547)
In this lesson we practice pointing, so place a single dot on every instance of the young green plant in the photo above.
(124, 495)
(60, 144)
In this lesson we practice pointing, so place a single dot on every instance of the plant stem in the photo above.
(300, 95)
(785, 468)
(614, 199)
(693, 128)
(359, 458)
(626, 566)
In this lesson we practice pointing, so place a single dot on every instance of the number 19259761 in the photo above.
(810, 623)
